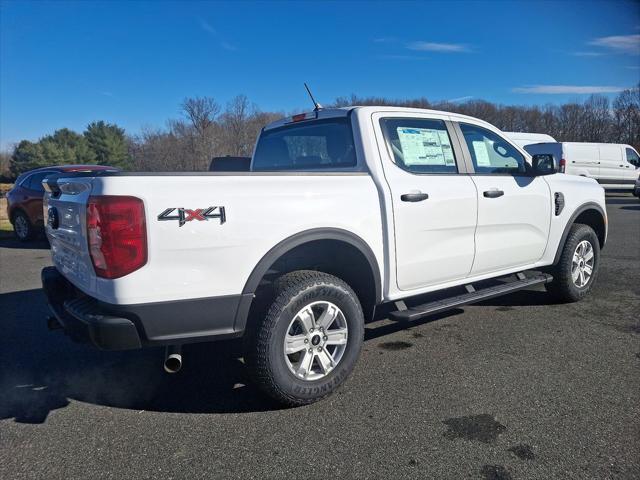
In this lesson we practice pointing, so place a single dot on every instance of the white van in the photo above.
(613, 165)
(522, 138)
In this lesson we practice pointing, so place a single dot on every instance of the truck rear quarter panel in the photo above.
(205, 258)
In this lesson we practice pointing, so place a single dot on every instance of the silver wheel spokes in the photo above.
(582, 264)
(316, 340)
(21, 226)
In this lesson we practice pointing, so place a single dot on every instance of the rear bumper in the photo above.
(122, 327)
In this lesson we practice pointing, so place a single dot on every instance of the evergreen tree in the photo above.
(27, 156)
(74, 147)
(108, 143)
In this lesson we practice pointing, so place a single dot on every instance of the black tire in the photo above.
(563, 288)
(265, 351)
(22, 227)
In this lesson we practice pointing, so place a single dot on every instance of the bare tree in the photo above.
(626, 115)
(596, 120)
(202, 113)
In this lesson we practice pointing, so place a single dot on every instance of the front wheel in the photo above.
(309, 341)
(575, 273)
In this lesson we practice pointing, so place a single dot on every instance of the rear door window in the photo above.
(420, 145)
(316, 145)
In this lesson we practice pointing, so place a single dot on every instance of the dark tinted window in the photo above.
(491, 153)
(316, 145)
(632, 157)
(34, 182)
(230, 164)
(420, 145)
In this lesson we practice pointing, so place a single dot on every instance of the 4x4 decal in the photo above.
(185, 215)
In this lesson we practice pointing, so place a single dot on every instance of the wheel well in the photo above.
(14, 211)
(595, 220)
(335, 257)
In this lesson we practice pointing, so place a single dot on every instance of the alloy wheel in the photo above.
(21, 226)
(582, 264)
(316, 340)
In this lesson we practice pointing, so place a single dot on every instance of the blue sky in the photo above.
(65, 64)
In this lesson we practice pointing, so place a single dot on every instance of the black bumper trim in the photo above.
(122, 327)
(105, 331)
(80, 318)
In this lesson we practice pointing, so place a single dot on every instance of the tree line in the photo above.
(101, 143)
(597, 119)
(205, 129)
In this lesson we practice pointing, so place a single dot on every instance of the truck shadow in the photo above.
(521, 298)
(44, 371)
(39, 243)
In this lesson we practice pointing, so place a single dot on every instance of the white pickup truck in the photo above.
(342, 210)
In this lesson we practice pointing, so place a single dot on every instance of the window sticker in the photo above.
(425, 146)
(482, 155)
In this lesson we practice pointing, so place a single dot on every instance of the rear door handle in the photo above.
(493, 193)
(414, 197)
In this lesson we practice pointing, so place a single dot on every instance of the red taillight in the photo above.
(116, 234)
(563, 165)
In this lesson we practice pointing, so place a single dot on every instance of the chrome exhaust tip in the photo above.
(173, 359)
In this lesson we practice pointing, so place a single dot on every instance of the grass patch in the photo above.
(4, 188)
(6, 229)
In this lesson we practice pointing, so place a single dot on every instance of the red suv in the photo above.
(24, 200)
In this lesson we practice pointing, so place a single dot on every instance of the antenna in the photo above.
(316, 105)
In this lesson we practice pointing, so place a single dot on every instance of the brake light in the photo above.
(116, 234)
(563, 165)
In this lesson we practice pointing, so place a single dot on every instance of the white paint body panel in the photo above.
(435, 237)
(430, 247)
(205, 259)
(513, 229)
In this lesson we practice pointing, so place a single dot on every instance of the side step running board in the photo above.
(473, 296)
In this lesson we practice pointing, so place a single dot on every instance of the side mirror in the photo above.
(544, 164)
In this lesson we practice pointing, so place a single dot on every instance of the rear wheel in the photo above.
(577, 269)
(22, 227)
(309, 341)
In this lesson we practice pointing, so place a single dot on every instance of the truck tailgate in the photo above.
(65, 203)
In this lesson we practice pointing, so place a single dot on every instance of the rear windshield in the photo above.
(316, 145)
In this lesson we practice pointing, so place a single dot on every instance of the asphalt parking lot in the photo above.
(511, 388)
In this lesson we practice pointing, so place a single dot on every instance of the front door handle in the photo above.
(493, 193)
(414, 197)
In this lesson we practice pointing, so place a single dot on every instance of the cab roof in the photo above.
(366, 110)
